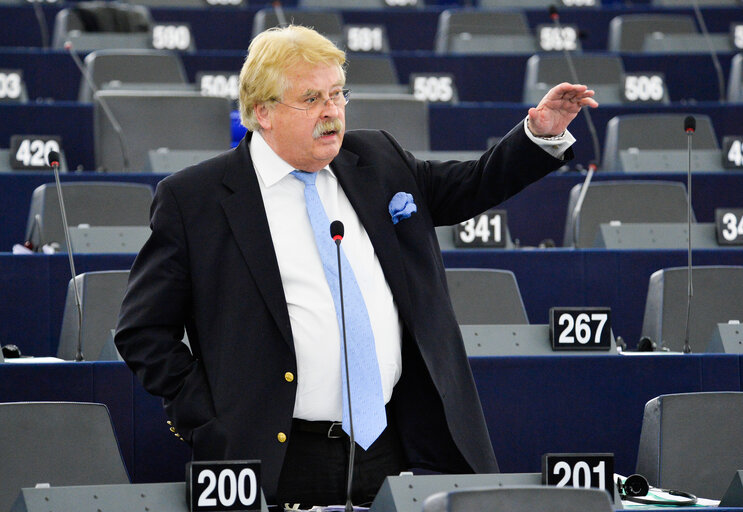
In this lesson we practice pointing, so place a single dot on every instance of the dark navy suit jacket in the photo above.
(210, 266)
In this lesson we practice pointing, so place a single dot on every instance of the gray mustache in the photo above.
(331, 125)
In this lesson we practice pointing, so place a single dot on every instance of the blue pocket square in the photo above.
(402, 206)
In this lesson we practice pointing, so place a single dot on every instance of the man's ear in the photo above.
(262, 114)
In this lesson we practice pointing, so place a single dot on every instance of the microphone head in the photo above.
(553, 11)
(690, 124)
(52, 158)
(336, 230)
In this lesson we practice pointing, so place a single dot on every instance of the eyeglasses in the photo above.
(315, 103)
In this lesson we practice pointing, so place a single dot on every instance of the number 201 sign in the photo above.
(218, 486)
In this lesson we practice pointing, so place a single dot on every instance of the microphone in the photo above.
(41, 20)
(712, 52)
(104, 105)
(276, 4)
(593, 164)
(690, 125)
(53, 160)
(336, 233)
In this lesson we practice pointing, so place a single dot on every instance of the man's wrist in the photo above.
(543, 137)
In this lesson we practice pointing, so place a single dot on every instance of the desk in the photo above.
(33, 287)
(532, 405)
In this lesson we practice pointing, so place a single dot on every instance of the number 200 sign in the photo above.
(580, 328)
(223, 486)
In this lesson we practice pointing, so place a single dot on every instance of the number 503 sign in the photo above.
(218, 486)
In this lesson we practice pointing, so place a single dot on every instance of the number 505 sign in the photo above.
(219, 486)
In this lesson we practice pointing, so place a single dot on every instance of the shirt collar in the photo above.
(269, 166)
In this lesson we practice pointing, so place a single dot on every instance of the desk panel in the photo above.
(532, 405)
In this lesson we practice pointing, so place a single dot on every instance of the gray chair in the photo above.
(658, 142)
(358, 4)
(101, 294)
(484, 32)
(624, 201)
(99, 25)
(133, 69)
(328, 23)
(152, 120)
(691, 442)
(690, 3)
(602, 73)
(402, 115)
(60, 443)
(485, 296)
(735, 81)
(520, 499)
(93, 203)
(664, 33)
(627, 32)
(173, 3)
(375, 74)
(717, 297)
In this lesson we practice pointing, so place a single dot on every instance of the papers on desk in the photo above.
(22, 360)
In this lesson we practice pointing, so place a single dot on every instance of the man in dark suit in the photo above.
(233, 258)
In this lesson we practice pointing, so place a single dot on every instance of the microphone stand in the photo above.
(53, 158)
(690, 126)
(352, 449)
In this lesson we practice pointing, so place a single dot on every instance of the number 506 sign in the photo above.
(219, 486)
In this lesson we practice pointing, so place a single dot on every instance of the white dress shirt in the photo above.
(311, 308)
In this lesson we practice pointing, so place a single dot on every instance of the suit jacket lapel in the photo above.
(246, 216)
(362, 186)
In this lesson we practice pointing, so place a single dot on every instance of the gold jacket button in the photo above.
(281, 437)
(289, 376)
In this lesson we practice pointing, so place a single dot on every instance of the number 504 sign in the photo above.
(218, 486)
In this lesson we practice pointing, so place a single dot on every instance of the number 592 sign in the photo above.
(218, 486)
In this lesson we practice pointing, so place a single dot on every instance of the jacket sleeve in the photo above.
(153, 314)
(457, 191)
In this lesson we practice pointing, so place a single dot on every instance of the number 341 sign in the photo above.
(218, 486)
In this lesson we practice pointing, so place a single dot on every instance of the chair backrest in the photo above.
(457, 27)
(60, 443)
(93, 203)
(735, 81)
(328, 23)
(485, 296)
(691, 442)
(97, 25)
(101, 294)
(653, 131)
(372, 73)
(402, 115)
(625, 201)
(717, 297)
(360, 4)
(690, 3)
(520, 499)
(627, 32)
(152, 120)
(603, 73)
(135, 67)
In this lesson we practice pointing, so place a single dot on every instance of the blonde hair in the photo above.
(270, 55)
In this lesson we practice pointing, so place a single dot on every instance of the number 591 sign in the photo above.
(218, 486)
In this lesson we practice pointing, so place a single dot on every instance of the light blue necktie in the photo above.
(367, 400)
